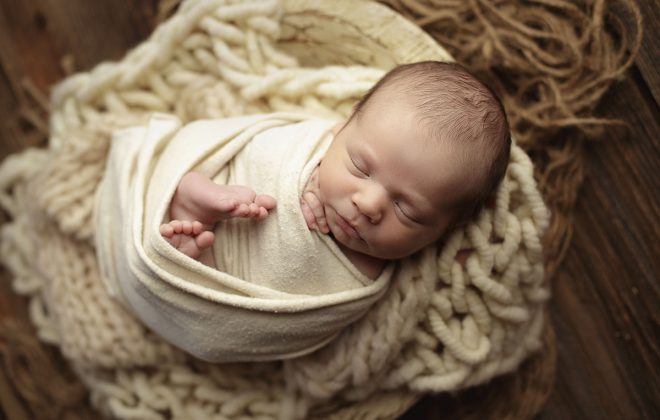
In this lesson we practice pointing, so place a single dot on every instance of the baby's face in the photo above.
(386, 191)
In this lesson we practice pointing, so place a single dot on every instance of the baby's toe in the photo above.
(242, 210)
(186, 227)
(177, 226)
(262, 213)
(254, 210)
(266, 201)
(166, 230)
(227, 205)
(205, 240)
(197, 227)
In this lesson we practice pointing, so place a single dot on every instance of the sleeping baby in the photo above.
(263, 237)
(419, 155)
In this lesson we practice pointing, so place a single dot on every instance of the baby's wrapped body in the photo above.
(280, 290)
(280, 252)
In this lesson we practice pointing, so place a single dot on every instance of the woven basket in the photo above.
(360, 32)
(353, 32)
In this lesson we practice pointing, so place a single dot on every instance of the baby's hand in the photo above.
(311, 204)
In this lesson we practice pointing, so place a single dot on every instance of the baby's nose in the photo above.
(370, 202)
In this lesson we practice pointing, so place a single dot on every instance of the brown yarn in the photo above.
(550, 61)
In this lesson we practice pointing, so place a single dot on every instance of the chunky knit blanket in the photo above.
(439, 327)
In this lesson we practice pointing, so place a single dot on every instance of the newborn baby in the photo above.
(419, 155)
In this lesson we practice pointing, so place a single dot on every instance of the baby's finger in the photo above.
(308, 215)
(314, 175)
(317, 209)
(323, 222)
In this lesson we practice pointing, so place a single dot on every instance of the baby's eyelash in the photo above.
(396, 203)
(358, 168)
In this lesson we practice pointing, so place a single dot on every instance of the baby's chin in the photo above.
(379, 253)
(391, 256)
(373, 250)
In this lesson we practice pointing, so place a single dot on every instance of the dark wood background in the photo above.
(605, 307)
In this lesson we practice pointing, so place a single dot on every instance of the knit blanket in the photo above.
(438, 327)
(280, 290)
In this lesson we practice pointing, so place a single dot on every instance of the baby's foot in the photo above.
(188, 237)
(199, 198)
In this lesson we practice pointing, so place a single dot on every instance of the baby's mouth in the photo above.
(347, 228)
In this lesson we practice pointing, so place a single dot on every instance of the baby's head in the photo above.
(421, 153)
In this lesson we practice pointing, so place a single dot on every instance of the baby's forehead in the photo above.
(463, 164)
(397, 90)
(424, 135)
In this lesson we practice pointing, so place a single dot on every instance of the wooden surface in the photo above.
(605, 305)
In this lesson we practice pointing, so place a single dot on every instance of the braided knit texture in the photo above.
(438, 328)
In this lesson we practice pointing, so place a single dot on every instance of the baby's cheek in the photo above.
(389, 242)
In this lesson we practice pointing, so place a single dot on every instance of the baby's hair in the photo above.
(455, 106)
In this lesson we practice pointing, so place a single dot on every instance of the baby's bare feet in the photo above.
(199, 203)
(188, 237)
(199, 198)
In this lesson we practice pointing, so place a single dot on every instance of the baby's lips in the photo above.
(347, 228)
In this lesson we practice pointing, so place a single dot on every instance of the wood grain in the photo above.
(606, 296)
(647, 60)
(605, 303)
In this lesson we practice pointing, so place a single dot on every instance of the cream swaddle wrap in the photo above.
(280, 290)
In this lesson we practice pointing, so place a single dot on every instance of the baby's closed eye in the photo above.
(406, 213)
(357, 165)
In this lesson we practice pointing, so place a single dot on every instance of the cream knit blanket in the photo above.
(280, 290)
(437, 328)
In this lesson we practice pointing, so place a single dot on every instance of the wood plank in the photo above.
(12, 70)
(647, 59)
(37, 35)
(605, 302)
